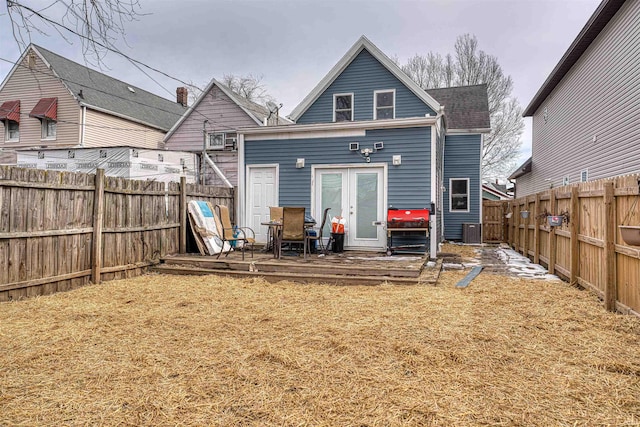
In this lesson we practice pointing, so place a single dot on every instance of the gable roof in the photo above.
(465, 107)
(255, 111)
(362, 44)
(600, 18)
(496, 189)
(523, 169)
(98, 91)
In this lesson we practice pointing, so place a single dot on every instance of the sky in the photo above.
(293, 44)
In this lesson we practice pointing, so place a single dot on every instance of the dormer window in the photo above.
(343, 107)
(384, 104)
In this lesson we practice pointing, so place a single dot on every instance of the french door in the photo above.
(357, 195)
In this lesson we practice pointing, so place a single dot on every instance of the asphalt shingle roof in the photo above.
(465, 107)
(113, 95)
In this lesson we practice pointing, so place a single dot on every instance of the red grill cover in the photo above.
(408, 218)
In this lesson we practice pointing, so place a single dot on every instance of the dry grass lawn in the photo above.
(166, 350)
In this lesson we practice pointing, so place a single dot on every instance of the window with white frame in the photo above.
(49, 128)
(584, 175)
(343, 107)
(384, 104)
(565, 180)
(459, 195)
(222, 141)
(12, 131)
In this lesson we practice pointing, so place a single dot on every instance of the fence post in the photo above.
(575, 228)
(552, 233)
(525, 243)
(98, 214)
(183, 215)
(536, 230)
(516, 222)
(610, 285)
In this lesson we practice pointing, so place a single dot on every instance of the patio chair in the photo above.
(292, 229)
(240, 237)
(275, 213)
(318, 236)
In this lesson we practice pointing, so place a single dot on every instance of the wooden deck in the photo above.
(347, 268)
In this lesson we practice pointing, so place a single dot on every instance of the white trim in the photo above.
(566, 180)
(83, 124)
(363, 125)
(433, 234)
(468, 195)
(375, 102)
(353, 110)
(44, 128)
(347, 133)
(241, 181)
(361, 44)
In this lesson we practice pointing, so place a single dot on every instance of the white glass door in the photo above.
(366, 208)
(356, 194)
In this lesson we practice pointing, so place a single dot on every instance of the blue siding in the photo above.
(462, 155)
(362, 77)
(409, 184)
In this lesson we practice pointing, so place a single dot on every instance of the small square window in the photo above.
(343, 107)
(584, 175)
(384, 104)
(565, 180)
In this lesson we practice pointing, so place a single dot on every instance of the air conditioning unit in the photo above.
(215, 141)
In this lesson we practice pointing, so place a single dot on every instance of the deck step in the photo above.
(428, 276)
(297, 266)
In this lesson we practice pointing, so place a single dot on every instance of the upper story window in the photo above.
(46, 110)
(222, 141)
(459, 195)
(343, 107)
(384, 104)
(49, 128)
(12, 133)
(10, 115)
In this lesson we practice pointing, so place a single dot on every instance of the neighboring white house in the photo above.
(586, 115)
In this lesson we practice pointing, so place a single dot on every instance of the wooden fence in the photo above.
(61, 230)
(587, 249)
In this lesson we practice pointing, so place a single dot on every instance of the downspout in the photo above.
(83, 121)
(433, 217)
(217, 170)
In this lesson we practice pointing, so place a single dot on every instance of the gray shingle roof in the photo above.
(465, 107)
(113, 95)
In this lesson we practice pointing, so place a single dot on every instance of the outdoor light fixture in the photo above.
(299, 163)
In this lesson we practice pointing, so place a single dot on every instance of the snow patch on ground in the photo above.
(521, 266)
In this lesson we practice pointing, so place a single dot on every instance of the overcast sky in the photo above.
(293, 44)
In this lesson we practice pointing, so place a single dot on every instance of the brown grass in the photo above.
(465, 251)
(165, 350)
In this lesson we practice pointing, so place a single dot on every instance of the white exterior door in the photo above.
(262, 185)
(356, 194)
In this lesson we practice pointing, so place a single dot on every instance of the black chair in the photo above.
(318, 236)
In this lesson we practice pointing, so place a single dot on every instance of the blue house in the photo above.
(365, 139)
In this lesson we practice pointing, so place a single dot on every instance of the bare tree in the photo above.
(471, 66)
(97, 23)
(249, 87)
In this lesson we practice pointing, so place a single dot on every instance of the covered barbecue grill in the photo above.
(406, 225)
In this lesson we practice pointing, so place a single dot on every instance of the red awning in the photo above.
(46, 108)
(10, 110)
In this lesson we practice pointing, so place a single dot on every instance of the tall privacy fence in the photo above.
(575, 232)
(61, 230)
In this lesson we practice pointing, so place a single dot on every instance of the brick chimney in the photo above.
(182, 95)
